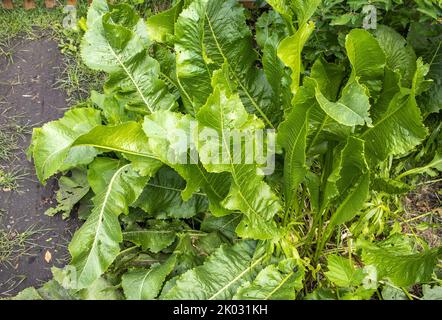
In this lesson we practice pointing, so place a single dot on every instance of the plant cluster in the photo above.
(354, 128)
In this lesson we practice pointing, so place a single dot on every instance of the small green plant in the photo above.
(10, 179)
(11, 136)
(14, 244)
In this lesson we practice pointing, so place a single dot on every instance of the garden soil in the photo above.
(29, 96)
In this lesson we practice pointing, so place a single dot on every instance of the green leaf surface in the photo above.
(96, 244)
(436, 163)
(290, 49)
(210, 33)
(52, 147)
(127, 138)
(162, 197)
(399, 54)
(348, 176)
(390, 186)
(168, 134)
(113, 109)
(402, 267)
(219, 277)
(367, 59)
(161, 26)
(434, 293)
(351, 109)
(248, 194)
(323, 130)
(292, 136)
(117, 44)
(426, 40)
(276, 282)
(146, 284)
(155, 235)
(302, 10)
(270, 30)
(398, 131)
(342, 272)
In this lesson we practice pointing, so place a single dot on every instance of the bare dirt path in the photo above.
(28, 96)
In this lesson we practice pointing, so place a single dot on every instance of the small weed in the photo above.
(10, 179)
(14, 244)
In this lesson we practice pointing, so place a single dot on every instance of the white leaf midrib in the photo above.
(100, 216)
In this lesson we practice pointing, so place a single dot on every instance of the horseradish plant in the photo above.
(204, 229)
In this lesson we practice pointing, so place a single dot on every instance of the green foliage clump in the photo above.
(346, 123)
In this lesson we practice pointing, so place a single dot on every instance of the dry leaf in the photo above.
(48, 256)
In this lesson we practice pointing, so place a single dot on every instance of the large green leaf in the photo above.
(426, 39)
(276, 282)
(292, 136)
(326, 77)
(398, 130)
(222, 114)
(96, 244)
(290, 49)
(367, 59)
(153, 238)
(145, 284)
(161, 26)
(52, 146)
(127, 138)
(219, 277)
(117, 44)
(399, 54)
(208, 34)
(270, 30)
(402, 266)
(348, 183)
(352, 107)
(169, 134)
